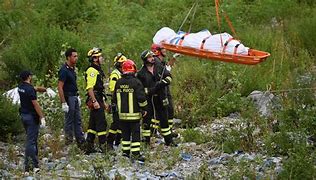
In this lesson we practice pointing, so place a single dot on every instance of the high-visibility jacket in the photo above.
(115, 75)
(129, 96)
(94, 76)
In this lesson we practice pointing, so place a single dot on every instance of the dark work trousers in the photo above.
(157, 112)
(73, 121)
(147, 120)
(115, 133)
(161, 113)
(97, 123)
(170, 108)
(130, 137)
(31, 125)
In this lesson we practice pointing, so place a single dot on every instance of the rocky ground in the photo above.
(188, 160)
(200, 154)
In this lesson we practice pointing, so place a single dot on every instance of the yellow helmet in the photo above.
(119, 58)
(94, 52)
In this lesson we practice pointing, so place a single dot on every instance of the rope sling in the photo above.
(253, 57)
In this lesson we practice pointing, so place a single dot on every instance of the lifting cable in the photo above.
(186, 17)
(218, 20)
(230, 25)
(285, 90)
(193, 15)
(291, 90)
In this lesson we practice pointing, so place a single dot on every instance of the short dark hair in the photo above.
(25, 74)
(69, 52)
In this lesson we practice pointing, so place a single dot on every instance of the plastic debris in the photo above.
(13, 95)
(186, 157)
(50, 93)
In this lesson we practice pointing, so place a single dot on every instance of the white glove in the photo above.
(43, 122)
(50, 92)
(168, 67)
(65, 107)
(79, 101)
(176, 55)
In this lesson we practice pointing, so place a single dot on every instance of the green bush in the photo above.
(192, 135)
(10, 123)
(299, 165)
(40, 51)
(67, 14)
(206, 90)
(296, 122)
(305, 32)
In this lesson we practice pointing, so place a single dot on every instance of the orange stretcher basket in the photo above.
(254, 56)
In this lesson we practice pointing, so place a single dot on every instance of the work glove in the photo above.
(161, 84)
(65, 107)
(168, 68)
(176, 55)
(43, 122)
(79, 100)
(50, 93)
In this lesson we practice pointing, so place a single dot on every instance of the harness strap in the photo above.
(182, 39)
(225, 45)
(235, 49)
(203, 42)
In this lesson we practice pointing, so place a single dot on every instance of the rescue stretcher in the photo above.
(254, 56)
(251, 57)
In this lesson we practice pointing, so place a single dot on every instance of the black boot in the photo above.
(68, 140)
(89, 148)
(118, 139)
(109, 147)
(111, 137)
(82, 145)
(138, 157)
(146, 140)
(174, 134)
(169, 141)
(126, 154)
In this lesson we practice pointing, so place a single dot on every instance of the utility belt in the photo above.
(99, 97)
(71, 93)
(99, 94)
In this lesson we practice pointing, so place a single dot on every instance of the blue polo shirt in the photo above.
(68, 75)
(27, 94)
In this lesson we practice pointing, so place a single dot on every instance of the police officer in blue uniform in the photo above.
(31, 115)
(68, 94)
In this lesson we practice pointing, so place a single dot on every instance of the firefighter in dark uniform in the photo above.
(129, 96)
(94, 76)
(31, 115)
(155, 79)
(115, 132)
(160, 55)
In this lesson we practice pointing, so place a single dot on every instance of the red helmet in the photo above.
(156, 49)
(129, 66)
